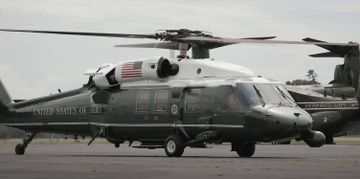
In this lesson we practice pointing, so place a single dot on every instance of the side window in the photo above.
(161, 100)
(192, 100)
(142, 103)
(220, 99)
(226, 99)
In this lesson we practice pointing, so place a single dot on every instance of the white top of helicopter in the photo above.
(192, 73)
(209, 68)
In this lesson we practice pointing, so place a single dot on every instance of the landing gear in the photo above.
(20, 148)
(285, 142)
(243, 149)
(329, 139)
(174, 146)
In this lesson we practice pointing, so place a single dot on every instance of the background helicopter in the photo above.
(333, 107)
(165, 102)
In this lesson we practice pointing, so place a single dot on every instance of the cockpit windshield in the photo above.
(249, 94)
(265, 93)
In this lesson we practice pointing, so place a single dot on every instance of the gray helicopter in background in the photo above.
(334, 107)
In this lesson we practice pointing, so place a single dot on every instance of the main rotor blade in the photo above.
(240, 40)
(162, 45)
(260, 38)
(207, 41)
(151, 36)
(325, 54)
(338, 51)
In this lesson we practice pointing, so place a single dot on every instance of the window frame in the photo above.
(186, 101)
(167, 101)
(137, 101)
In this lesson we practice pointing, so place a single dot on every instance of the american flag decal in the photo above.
(131, 69)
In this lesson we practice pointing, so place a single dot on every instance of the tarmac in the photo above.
(102, 160)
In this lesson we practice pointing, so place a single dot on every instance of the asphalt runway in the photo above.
(104, 160)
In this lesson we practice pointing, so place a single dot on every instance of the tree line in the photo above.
(311, 79)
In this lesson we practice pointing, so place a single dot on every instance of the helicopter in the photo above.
(169, 103)
(334, 107)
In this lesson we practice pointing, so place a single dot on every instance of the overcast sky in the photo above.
(34, 65)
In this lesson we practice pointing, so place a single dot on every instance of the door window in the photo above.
(192, 100)
(161, 100)
(142, 104)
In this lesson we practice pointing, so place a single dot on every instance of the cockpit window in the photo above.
(285, 93)
(221, 99)
(273, 94)
(265, 94)
(249, 93)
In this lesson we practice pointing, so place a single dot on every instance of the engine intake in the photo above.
(109, 75)
(166, 69)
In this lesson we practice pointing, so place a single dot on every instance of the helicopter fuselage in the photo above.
(205, 101)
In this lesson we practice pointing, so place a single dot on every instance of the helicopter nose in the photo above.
(289, 118)
(278, 122)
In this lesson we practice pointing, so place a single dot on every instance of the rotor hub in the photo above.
(170, 34)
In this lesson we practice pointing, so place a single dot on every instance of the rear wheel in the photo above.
(244, 150)
(174, 146)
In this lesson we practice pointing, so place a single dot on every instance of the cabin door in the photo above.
(193, 116)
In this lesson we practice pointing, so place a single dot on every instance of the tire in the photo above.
(329, 139)
(245, 150)
(20, 149)
(285, 142)
(174, 146)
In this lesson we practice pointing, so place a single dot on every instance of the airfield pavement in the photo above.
(102, 160)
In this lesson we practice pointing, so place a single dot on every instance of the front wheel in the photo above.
(285, 142)
(174, 146)
(20, 149)
(244, 150)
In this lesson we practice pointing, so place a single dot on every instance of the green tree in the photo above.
(311, 75)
